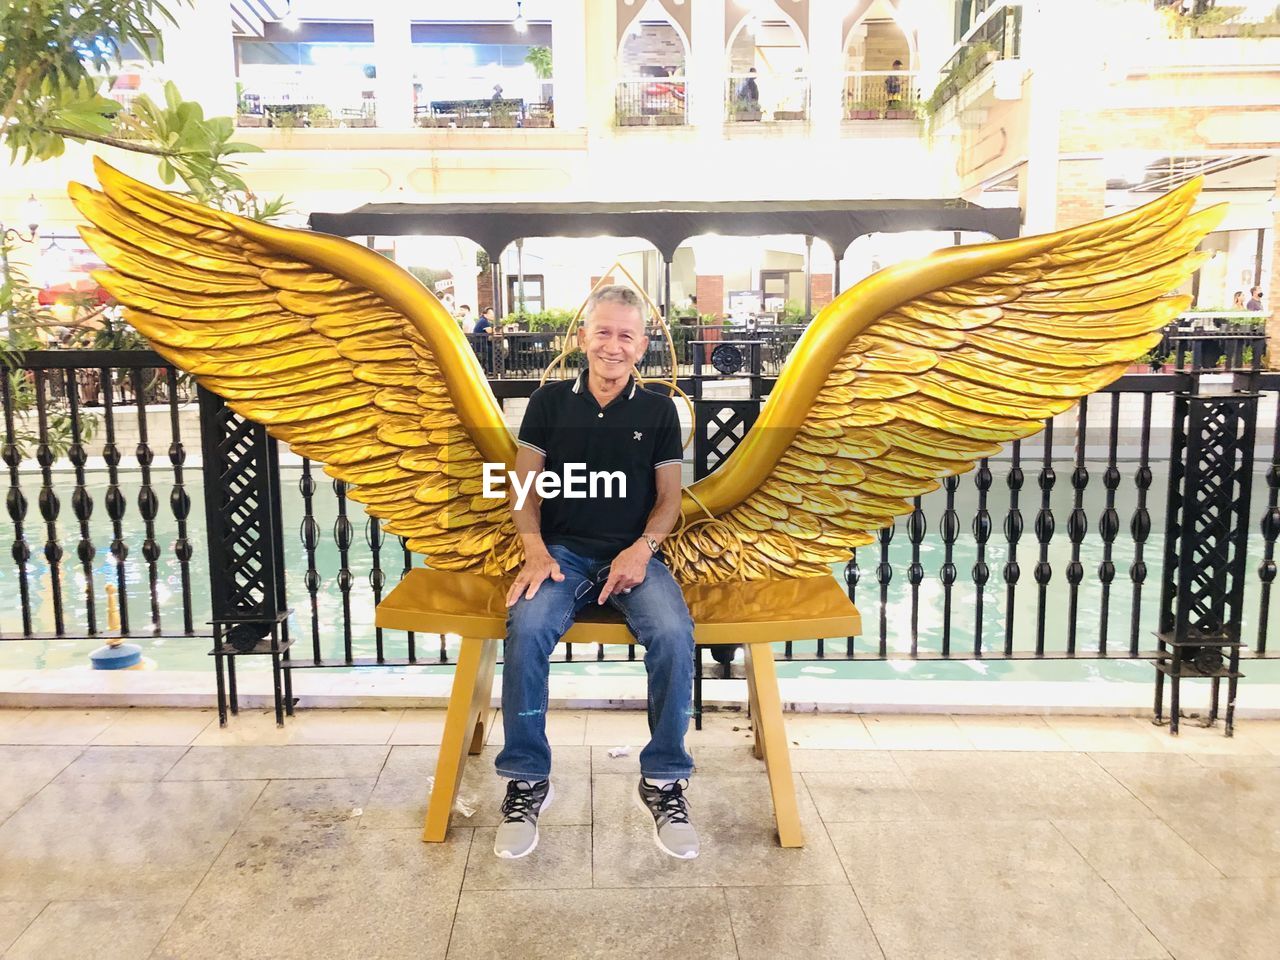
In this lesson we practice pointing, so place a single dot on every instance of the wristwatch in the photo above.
(651, 543)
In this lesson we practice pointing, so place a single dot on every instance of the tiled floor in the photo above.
(132, 834)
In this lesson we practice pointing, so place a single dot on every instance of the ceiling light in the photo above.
(290, 21)
(519, 22)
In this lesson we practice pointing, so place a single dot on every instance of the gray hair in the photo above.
(615, 293)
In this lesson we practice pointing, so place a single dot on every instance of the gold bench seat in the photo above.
(755, 614)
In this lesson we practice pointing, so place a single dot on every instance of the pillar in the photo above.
(822, 287)
(826, 66)
(393, 58)
(569, 63)
(707, 67)
(1051, 83)
(710, 294)
(199, 55)
(600, 64)
(1081, 192)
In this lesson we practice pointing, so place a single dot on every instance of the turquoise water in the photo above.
(189, 653)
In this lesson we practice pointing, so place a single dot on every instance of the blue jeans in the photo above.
(657, 616)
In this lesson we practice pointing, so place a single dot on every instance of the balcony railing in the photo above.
(651, 101)
(753, 98)
(485, 113)
(881, 95)
(1227, 21)
(254, 112)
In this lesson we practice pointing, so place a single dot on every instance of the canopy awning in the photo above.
(666, 225)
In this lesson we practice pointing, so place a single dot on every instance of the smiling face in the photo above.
(613, 339)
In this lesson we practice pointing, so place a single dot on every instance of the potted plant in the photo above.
(320, 115)
(287, 118)
(540, 59)
(623, 118)
(468, 119)
(962, 69)
(501, 116)
(863, 110)
(745, 110)
(900, 112)
(788, 115)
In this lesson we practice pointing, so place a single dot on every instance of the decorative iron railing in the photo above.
(651, 101)
(108, 476)
(768, 98)
(881, 95)
(524, 354)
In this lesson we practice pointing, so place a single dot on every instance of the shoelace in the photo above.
(520, 801)
(669, 804)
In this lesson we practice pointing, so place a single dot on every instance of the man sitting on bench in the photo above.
(604, 546)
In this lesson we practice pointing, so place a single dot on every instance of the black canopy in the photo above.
(667, 224)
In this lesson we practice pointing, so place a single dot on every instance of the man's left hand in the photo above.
(627, 570)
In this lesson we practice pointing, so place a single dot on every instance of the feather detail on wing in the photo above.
(335, 349)
(923, 369)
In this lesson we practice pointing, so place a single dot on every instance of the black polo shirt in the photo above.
(636, 433)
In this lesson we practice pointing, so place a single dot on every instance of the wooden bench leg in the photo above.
(472, 689)
(754, 701)
(773, 734)
(484, 714)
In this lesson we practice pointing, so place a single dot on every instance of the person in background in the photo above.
(893, 86)
(465, 320)
(1237, 301)
(749, 90)
(1255, 300)
(484, 348)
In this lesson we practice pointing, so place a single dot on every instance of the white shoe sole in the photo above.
(505, 855)
(657, 841)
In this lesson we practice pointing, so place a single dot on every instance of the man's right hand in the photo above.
(536, 569)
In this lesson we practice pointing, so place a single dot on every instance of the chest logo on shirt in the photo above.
(638, 434)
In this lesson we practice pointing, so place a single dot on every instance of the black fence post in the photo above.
(246, 551)
(1207, 518)
(721, 426)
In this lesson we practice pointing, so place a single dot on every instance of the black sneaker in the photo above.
(518, 832)
(672, 831)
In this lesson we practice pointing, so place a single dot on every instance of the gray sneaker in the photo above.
(518, 832)
(672, 831)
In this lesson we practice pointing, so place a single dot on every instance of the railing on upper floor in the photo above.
(750, 97)
(651, 101)
(881, 95)
(1222, 22)
(307, 114)
(510, 112)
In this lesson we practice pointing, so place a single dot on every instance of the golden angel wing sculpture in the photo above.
(912, 375)
(333, 348)
(924, 368)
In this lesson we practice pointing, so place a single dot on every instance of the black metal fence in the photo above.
(518, 355)
(1006, 563)
(651, 101)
